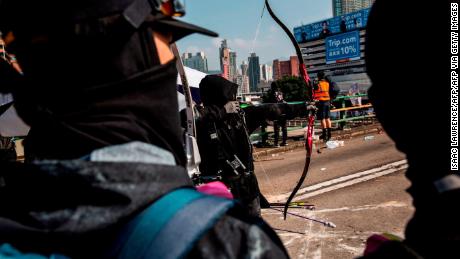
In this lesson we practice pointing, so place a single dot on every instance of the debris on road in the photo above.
(367, 138)
(332, 144)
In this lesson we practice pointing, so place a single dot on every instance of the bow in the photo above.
(191, 146)
(310, 108)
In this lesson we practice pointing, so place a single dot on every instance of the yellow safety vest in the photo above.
(322, 93)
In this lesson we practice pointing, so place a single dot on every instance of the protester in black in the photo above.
(223, 140)
(434, 229)
(99, 92)
(280, 122)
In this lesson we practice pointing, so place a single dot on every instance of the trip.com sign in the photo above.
(342, 47)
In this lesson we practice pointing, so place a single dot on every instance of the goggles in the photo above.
(170, 8)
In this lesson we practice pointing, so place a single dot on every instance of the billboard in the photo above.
(354, 20)
(342, 47)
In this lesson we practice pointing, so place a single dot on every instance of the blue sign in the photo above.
(342, 47)
(352, 21)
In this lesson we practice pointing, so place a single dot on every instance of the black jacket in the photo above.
(223, 139)
(76, 208)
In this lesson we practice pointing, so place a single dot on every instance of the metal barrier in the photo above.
(340, 122)
(342, 118)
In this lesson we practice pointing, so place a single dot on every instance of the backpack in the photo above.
(334, 90)
(162, 230)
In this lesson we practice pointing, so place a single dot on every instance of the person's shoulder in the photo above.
(238, 237)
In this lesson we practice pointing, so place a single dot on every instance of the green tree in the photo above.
(293, 88)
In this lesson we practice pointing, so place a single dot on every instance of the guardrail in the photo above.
(343, 116)
(339, 122)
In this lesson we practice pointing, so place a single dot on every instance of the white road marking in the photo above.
(391, 204)
(345, 181)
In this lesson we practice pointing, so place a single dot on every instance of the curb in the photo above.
(292, 146)
(301, 144)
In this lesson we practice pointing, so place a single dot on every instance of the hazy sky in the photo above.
(237, 20)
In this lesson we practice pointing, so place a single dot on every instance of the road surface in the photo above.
(359, 187)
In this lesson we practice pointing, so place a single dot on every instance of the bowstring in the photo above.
(272, 187)
(253, 44)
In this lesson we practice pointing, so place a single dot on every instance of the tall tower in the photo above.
(253, 72)
(244, 68)
(224, 56)
(243, 79)
(266, 73)
(223, 47)
(233, 72)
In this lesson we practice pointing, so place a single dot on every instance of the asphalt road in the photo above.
(278, 173)
(359, 210)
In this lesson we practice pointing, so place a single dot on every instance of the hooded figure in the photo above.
(223, 140)
(434, 229)
(105, 148)
(89, 79)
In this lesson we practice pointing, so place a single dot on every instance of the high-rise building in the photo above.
(269, 73)
(285, 68)
(243, 84)
(294, 66)
(266, 73)
(198, 62)
(341, 7)
(224, 56)
(345, 72)
(227, 62)
(261, 73)
(186, 56)
(244, 68)
(233, 72)
(243, 79)
(253, 72)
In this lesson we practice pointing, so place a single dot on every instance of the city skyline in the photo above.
(238, 24)
(237, 66)
(249, 75)
(198, 62)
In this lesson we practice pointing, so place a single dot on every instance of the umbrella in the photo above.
(194, 78)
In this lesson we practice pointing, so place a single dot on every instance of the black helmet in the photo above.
(89, 34)
(38, 15)
(320, 75)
